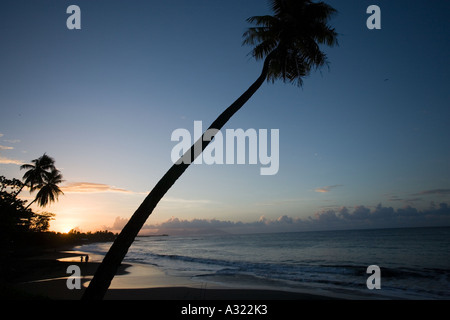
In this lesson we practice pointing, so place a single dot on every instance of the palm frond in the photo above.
(27, 166)
(264, 21)
(49, 191)
(37, 171)
(295, 33)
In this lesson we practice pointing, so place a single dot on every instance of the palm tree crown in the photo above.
(49, 191)
(291, 37)
(43, 176)
(37, 171)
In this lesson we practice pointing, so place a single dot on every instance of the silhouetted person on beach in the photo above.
(86, 259)
(81, 259)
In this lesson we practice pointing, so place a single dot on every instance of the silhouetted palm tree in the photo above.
(48, 189)
(37, 171)
(288, 42)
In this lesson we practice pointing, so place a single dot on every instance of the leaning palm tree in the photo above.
(289, 43)
(48, 189)
(37, 171)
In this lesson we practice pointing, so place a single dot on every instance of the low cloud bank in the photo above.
(333, 219)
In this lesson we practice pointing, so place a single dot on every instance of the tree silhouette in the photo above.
(48, 189)
(42, 175)
(37, 171)
(288, 41)
(13, 215)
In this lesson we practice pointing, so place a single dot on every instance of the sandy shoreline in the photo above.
(47, 279)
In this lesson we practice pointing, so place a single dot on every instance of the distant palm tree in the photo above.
(37, 171)
(43, 176)
(288, 42)
(48, 189)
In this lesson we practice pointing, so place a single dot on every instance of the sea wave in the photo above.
(300, 261)
(397, 282)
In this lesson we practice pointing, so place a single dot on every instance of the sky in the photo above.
(364, 143)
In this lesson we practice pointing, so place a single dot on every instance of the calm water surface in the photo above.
(414, 262)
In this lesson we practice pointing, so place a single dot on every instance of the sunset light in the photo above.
(290, 144)
(67, 229)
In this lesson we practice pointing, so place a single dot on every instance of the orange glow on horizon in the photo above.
(67, 229)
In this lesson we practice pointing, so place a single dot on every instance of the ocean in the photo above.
(414, 263)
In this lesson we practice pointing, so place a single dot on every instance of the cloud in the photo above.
(5, 160)
(394, 198)
(280, 202)
(327, 188)
(186, 201)
(332, 219)
(119, 223)
(174, 223)
(386, 217)
(12, 141)
(434, 191)
(412, 198)
(404, 200)
(90, 187)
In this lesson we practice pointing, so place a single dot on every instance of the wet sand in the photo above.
(47, 279)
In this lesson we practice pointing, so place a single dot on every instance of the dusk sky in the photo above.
(364, 143)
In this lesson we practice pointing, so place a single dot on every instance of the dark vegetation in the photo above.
(27, 247)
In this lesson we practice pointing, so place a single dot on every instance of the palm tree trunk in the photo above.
(19, 191)
(112, 260)
(31, 203)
